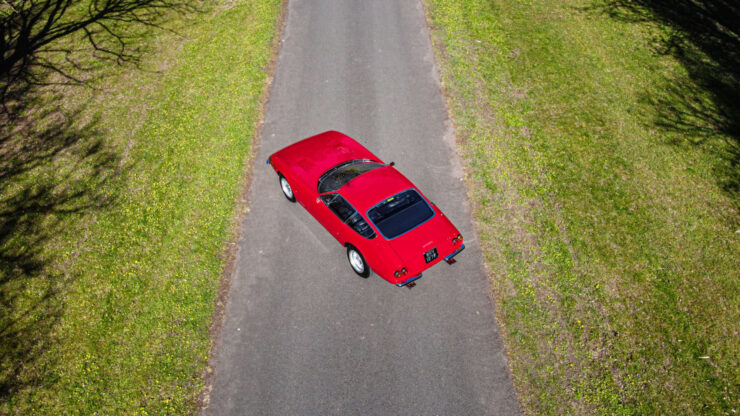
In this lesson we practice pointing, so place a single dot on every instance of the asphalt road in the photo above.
(303, 335)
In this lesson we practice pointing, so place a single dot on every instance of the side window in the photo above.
(342, 209)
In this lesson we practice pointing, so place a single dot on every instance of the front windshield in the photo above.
(400, 213)
(339, 175)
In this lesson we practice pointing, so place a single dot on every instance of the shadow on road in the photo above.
(704, 36)
(53, 167)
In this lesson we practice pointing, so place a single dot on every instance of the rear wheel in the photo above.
(357, 261)
(285, 186)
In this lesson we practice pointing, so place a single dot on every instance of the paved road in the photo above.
(303, 335)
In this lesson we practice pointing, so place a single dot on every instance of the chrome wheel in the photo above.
(286, 187)
(356, 261)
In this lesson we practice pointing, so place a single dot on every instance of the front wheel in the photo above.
(357, 261)
(285, 186)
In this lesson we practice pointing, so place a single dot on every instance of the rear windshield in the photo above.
(400, 213)
(339, 175)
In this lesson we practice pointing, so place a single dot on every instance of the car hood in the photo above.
(311, 157)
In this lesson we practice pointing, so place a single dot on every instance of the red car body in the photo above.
(399, 260)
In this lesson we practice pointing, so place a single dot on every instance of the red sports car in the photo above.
(383, 220)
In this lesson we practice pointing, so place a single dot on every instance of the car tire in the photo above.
(286, 188)
(357, 261)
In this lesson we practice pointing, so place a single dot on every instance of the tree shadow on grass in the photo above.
(69, 38)
(703, 108)
(54, 168)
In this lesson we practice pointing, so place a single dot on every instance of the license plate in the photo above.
(431, 255)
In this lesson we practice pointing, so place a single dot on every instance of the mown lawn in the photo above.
(604, 173)
(116, 206)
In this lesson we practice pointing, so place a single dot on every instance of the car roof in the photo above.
(366, 190)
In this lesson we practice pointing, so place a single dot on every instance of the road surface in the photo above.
(303, 335)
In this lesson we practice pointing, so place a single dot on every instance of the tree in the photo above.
(30, 31)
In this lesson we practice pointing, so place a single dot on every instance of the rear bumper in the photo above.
(456, 252)
(447, 258)
(409, 281)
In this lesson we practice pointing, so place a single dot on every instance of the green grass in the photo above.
(611, 242)
(116, 206)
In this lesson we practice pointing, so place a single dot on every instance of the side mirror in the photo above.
(392, 164)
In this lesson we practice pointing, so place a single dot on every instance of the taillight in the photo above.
(404, 271)
(397, 274)
(457, 239)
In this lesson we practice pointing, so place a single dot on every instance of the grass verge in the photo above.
(606, 219)
(115, 207)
